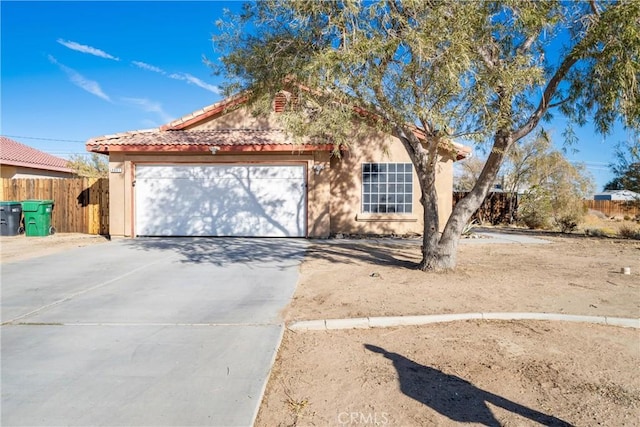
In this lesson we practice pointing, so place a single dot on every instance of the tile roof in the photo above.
(209, 111)
(15, 153)
(226, 137)
(173, 134)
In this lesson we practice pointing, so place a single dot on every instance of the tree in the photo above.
(470, 170)
(556, 192)
(486, 71)
(554, 189)
(95, 166)
(626, 168)
(521, 165)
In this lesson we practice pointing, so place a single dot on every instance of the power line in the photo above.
(43, 139)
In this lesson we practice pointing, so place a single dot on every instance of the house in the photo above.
(21, 161)
(619, 195)
(221, 171)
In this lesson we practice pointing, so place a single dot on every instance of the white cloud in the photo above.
(150, 106)
(86, 49)
(185, 77)
(148, 67)
(196, 81)
(79, 80)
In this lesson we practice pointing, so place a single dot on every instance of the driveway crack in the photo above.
(84, 291)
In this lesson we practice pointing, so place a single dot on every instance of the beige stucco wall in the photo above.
(346, 189)
(8, 171)
(334, 184)
(240, 118)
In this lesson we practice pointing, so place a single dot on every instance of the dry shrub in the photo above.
(629, 232)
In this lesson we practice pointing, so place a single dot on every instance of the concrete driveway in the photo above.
(154, 332)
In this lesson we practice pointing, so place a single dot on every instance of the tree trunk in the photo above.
(439, 251)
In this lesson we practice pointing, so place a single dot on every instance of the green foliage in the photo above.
(458, 68)
(93, 166)
(595, 232)
(468, 228)
(626, 167)
(569, 222)
(557, 190)
(535, 208)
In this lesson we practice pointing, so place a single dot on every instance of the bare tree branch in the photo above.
(487, 57)
(559, 103)
(526, 44)
(547, 95)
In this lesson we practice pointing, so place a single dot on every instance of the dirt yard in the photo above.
(18, 248)
(510, 373)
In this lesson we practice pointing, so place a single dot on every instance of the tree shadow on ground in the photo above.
(231, 250)
(222, 251)
(454, 397)
(531, 232)
(386, 254)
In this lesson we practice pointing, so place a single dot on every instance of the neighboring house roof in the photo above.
(617, 195)
(15, 153)
(173, 135)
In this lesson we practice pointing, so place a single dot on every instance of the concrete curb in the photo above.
(263, 389)
(385, 322)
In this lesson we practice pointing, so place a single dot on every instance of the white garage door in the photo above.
(206, 200)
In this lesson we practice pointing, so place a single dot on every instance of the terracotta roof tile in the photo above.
(230, 137)
(174, 134)
(15, 153)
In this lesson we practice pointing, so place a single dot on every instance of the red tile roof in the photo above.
(191, 140)
(194, 137)
(15, 153)
(226, 140)
(173, 136)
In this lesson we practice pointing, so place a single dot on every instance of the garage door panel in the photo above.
(220, 172)
(220, 201)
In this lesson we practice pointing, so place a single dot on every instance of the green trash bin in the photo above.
(37, 217)
(10, 217)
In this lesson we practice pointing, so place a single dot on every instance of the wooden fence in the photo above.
(496, 208)
(613, 208)
(81, 205)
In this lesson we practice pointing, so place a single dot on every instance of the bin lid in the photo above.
(2, 203)
(32, 205)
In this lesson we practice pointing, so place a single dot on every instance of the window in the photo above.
(387, 188)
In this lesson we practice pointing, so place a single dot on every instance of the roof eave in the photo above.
(211, 148)
(205, 113)
(36, 166)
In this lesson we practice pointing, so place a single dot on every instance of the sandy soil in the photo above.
(572, 275)
(481, 373)
(18, 248)
(477, 372)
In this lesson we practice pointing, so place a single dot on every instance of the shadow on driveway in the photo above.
(222, 251)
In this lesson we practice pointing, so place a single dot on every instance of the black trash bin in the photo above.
(10, 218)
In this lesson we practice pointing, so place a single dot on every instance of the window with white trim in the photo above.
(387, 188)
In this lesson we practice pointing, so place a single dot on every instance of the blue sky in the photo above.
(74, 70)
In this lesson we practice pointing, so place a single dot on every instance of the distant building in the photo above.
(617, 195)
(21, 161)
